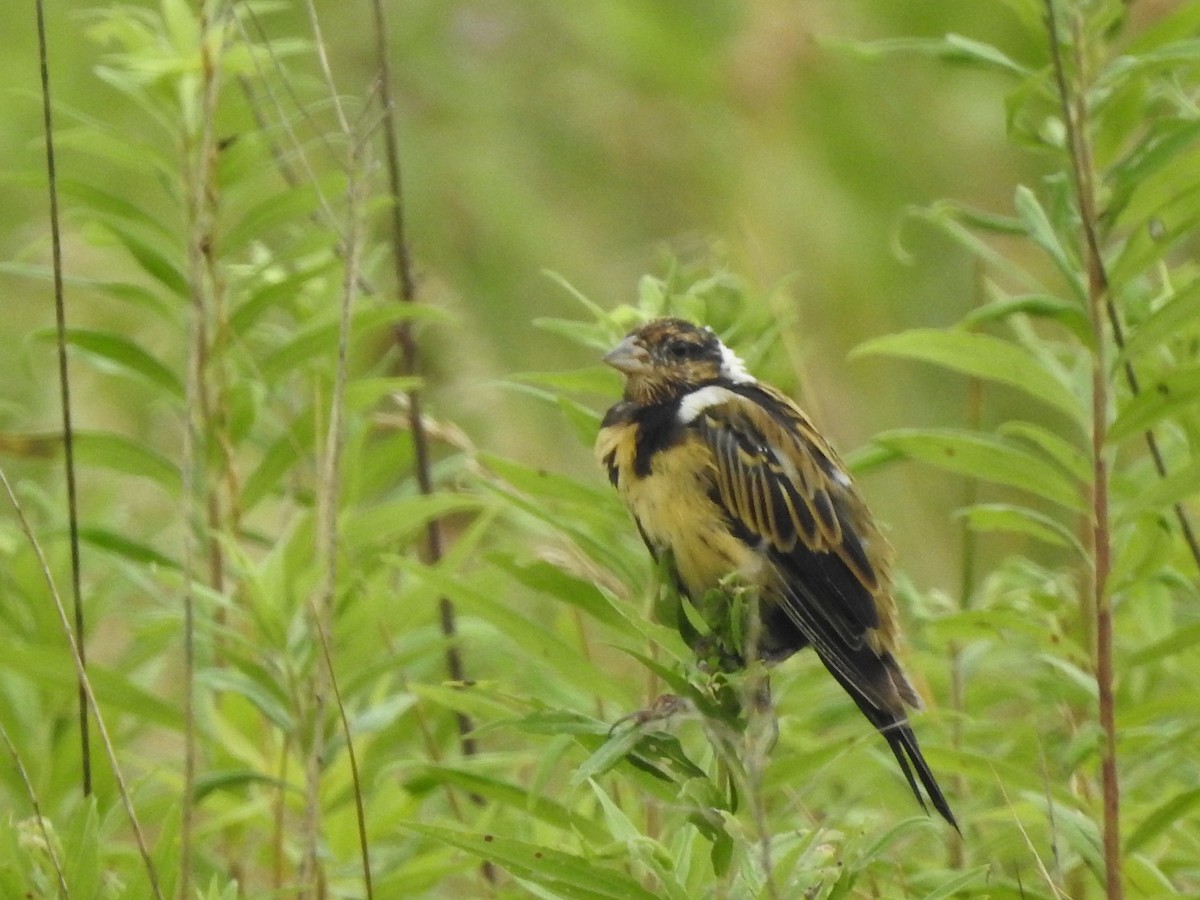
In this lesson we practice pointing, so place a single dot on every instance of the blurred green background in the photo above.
(593, 141)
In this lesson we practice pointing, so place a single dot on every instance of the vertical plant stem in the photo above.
(56, 863)
(201, 506)
(1075, 118)
(64, 383)
(328, 500)
(434, 542)
(90, 695)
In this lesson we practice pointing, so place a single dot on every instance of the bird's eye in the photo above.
(679, 349)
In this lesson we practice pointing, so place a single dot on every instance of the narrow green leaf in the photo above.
(1179, 315)
(152, 262)
(948, 218)
(619, 745)
(81, 850)
(592, 380)
(1018, 519)
(505, 793)
(980, 356)
(111, 205)
(266, 697)
(1042, 233)
(318, 342)
(385, 523)
(234, 780)
(987, 458)
(572, 876)
(117, 353)
(1073, 460)
(125, 547)
(121, 454)
(953, 48)
(1182, 639)
(1177, 486)
(951, 886)
(1178, 391)
(1043, 306)
(1174, 810)
(567, 588)
(276, 209)
(279, 293)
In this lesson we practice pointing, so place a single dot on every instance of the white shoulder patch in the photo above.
(733, 368)
(693, 404)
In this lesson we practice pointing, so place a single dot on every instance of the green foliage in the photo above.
(217, 241)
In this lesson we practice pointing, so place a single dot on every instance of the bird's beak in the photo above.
(629, 357)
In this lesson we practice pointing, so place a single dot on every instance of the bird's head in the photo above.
(668, 357)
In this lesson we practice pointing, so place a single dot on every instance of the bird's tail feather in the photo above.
(903, 742)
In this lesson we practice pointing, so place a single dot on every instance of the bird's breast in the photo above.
(672, 494)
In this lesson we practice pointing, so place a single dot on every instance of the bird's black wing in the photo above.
(784, 488)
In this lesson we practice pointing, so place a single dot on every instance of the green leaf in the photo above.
(574, 877)
(520, 798)
(151, 261)
(1177, 486)
(234, 779)
(980, 356)
(127, 456)
(1074, 461)
(567, 588)
(319, 342)
(1182, 639)
(120, 354)
(1179, 315)
(957, 222)
(1175, 809)
(275, 209)
(1041, 231)
(987, 458)
(1018, 519)
(384, 523)
(1158, 400)
(1042, 306)
(265, 696)
(953, 48)
(951, 886)
(126, 548)
(81, 850)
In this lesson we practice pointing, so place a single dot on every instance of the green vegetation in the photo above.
(965, 235)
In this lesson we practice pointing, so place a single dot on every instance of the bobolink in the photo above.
(727, 478)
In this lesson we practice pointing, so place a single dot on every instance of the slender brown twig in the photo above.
(51, 851)
(89, 695)
(434, 540)
(64, 383)
(1075, 117)
(200, 502)
(330, 493)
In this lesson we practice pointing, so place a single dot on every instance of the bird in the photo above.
(727, 479)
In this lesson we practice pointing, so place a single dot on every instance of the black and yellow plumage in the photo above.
(726, 477)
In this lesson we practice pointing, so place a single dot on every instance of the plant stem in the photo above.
(64, 383)
(1075, 117)
(434, 540)
(89, 695)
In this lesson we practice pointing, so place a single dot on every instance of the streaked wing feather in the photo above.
(773, 475)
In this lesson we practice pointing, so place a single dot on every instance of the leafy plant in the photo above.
(267, 603)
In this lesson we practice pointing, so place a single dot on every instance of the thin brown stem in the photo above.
(64, 383)
(81, 673)
(202, 517)
(328, 501)
(27, 782)
(1075, 118)
(410, 362)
